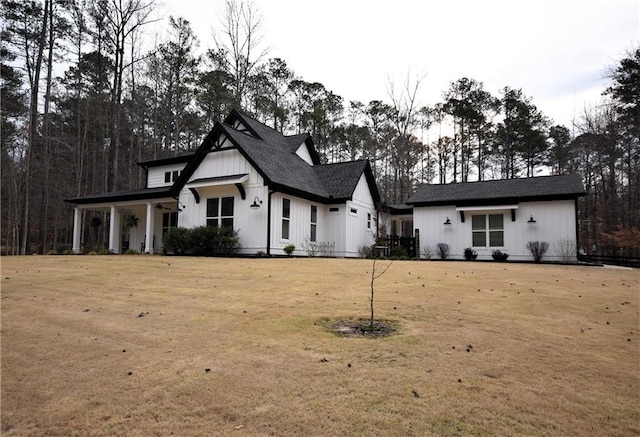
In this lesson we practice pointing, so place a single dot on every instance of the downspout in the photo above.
(577, 230)
(269, 222)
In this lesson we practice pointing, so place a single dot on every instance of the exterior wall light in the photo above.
(447, 222)
(256, 203)
(531, 220)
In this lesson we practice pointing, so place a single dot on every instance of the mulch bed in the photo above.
(362, 328)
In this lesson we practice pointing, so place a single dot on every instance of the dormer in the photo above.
(164, 172)
(303, 153)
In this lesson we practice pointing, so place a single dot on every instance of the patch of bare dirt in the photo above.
(362, 328)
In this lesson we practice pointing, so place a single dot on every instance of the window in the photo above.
(314, 222)
(334, 209)
(169, 220)
(487, 228)
(286, 217)
(171, 176)
(353, 211)
(220, 212)
(368, 220)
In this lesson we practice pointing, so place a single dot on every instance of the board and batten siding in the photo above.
(155, 175)
(554, 221)
(337, 225)
(251, 224)
(357, 233)
(299, 224)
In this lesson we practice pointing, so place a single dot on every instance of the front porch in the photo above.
(132, 225)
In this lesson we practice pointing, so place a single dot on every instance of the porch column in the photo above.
(114, 231)
(77, 216)
(148, 240)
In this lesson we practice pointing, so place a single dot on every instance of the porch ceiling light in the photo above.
(531, 220)
(447, 221)
(256, 203)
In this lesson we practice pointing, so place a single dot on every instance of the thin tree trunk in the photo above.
(33, 128)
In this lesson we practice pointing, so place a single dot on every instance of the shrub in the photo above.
(312, 247)
(566, 249)
(177, 240)
(443, 250)
(229, 242)
(428, 252)
(202, 241)
(470, 254)
(498, 255)
(289, 248)
(398, 252)
(365, 251)
(69, 252)
(538, 249)
(131, 252)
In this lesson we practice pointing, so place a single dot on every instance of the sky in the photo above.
(556, 51)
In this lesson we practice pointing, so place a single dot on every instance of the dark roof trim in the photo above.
(499, 200)
(315, 157)
(166, 161)
(122, 196)
(308, 196)
(234, 115)
(399, 209)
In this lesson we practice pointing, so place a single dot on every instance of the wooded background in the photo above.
(83, 101)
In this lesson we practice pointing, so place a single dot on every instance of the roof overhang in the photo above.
(486, 207)
(217, 181)
(133, 196)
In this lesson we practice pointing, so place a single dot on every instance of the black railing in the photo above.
(400, 246)
(627, 261)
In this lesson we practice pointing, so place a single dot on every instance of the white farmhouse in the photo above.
(247, 176)
(499, 215)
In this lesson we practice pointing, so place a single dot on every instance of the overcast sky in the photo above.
(557, 51)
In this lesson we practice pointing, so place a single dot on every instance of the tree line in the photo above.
(86, 94)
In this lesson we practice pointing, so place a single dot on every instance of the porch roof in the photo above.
(121, 196)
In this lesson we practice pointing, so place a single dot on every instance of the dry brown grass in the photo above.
(554, 348)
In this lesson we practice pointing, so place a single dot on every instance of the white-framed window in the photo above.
(487, 230)
(313, 232)
(286, 218)
(220, 212)
(171, 176)
(353, 211)
(368, 220)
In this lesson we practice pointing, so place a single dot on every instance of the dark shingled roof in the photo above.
(167, 161)
(499, 191)
(273, 155)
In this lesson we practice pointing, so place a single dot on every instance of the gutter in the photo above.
(269, 221)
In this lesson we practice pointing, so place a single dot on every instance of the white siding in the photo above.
(155, 175)
(250, 224)
(357, 233)
(225, 163)
(303, 152)
(555, 220)
(299, 224)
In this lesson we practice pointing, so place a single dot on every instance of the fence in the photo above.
(400, 246)
(626, 261)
